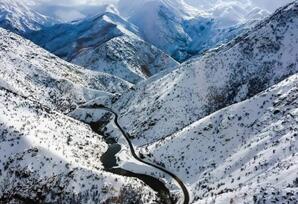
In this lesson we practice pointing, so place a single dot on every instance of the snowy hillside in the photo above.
(127, 57)
(105, 43)
(100, 111)
(47, 157)
(184, 31)
(68, 39)
(17, 17)
(246, 66)
(245, 153)
(33, 72)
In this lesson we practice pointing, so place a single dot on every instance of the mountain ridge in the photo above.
(235, 72)
(101, 42)
(240, 153)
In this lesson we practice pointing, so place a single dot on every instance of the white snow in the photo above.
(244, 152)
(246, 66)
(18, 17)
(50, 157)
(32, 71)
(224, 122)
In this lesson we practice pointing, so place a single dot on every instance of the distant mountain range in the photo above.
(182, 30)
(174, 27)
(105, 43)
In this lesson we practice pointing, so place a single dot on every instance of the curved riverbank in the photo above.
(154, 183)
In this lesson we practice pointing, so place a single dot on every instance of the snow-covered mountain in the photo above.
(105, 43)
(184, 31)
(172, 26)
(127, 57)
(17, 17)
(175, 27)
(31, 71)
(245, 153)
(46, 156)
(68, 39)
(221, 127)
(234, 72)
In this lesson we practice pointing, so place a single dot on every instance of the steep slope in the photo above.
(69, 39)
(245, 153)
(232, 73)
(129, 58)
(161, 26)
(181, 30)
(105, 43)
(32, 71)
(17, 17)
(47, 157)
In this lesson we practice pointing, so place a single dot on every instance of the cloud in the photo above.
(68, 10)
(70, 15)
(71, 3)
(75, 9)
(269, 5)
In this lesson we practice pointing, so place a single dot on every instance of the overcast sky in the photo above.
(264, 4)
(76, 2)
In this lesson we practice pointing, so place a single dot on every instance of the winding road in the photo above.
(178, 180)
